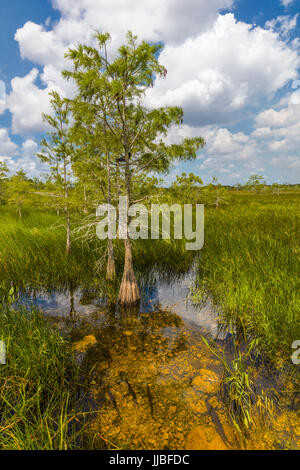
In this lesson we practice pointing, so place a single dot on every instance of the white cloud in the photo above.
(225, 152)
(38, 45)
(219, 71)
(285, 3)
(236, 155)
(227, 149)
(215, 75)
(29, 147)
(262, 132)
(7, 146)
(226, 142)
(280, 128)
(283, 24)
(23, 159)
(170, 21)
(27, 102)
(216, 65)
(2, 97)
(284, 117)
(28, 160)
(286, 162)
(278, 132)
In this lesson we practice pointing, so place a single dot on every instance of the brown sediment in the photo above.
(85, 343)
(204, 438)
(158, 386)
(159, 390)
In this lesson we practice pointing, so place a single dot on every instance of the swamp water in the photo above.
(153, 382)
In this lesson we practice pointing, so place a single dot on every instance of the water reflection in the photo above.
(152, 381)
(164, 291)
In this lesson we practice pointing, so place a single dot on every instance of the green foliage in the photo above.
(109, 109)
(20, 191)
(38, 385)
(3, 180)
(255, 182)
(214, 194)
(57, 151)
(33, 252)
(238, 386)
(187, 188)
(250, 266)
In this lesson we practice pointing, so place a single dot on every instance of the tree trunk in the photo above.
(118, 187)
(129, 291)
(72, 302)
(85, 209)
(68, 243)
(111, 268)
(67, 212)
(19, 210)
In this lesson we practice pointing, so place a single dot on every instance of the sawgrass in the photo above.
(250, 266)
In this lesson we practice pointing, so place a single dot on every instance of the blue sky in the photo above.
(233, 66)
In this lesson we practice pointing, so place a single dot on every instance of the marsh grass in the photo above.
(238, 385)
(250, 266)
(250, 406)
(38, 385)
(249, 263)
(33, 255)
(32, 252)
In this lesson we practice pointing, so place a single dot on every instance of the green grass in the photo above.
(250, 266)
(38, 385)
(249, 262)
(32, 251)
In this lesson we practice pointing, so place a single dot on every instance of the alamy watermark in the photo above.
(2, 352)
(161, 221)
(296, 355)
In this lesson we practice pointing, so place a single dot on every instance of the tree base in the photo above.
(129, 293)
(110, 270)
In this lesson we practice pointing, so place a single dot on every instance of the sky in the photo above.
(233, 66)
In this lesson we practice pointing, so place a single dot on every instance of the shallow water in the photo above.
(154, 384)
(163, 292)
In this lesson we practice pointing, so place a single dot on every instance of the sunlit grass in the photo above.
(33, 253)
(38, 385)
(250, 265)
